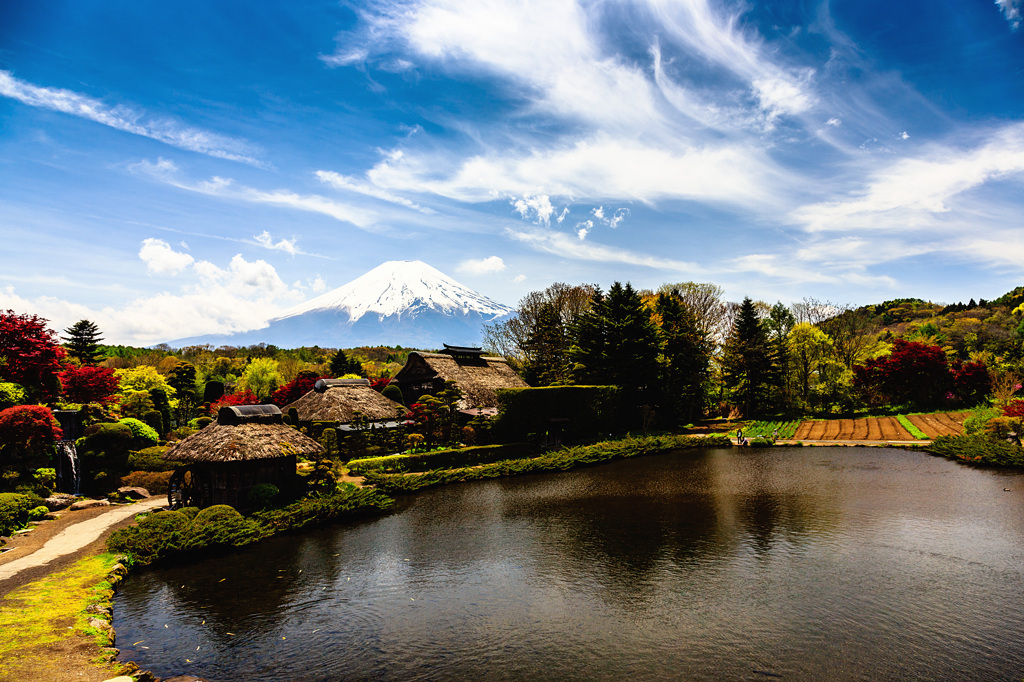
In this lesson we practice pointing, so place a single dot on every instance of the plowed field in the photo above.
(881, 428)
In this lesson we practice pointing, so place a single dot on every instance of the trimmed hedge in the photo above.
(441, 459)
(180, 534)
(151, 459)
(553, 460)
(591, 411)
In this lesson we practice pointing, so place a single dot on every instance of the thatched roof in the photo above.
(337, 400)
(478, 377)
(244, 433)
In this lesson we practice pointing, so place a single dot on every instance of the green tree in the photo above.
(341, 365)
(747, 361)
(261, 377)
(809, 349)
(617, 343)
(685, 358)
(546, 349)
(182, 378)
(523, 340)
(779, 323)
(82, 342)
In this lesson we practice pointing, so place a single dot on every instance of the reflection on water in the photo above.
(804, 563)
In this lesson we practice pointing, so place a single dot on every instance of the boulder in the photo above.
(59, 501)
(89, 504)
(133, 493)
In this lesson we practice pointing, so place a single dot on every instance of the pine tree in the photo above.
(748, 360)
(685, 358)
(82, 340)
(342, 365)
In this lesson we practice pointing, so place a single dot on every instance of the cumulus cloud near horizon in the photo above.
(482, 266)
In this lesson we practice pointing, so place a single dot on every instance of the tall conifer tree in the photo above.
(748, 361)
(82, 340)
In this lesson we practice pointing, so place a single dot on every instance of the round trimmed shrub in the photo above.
(140, 430)
(221, 524)
(156, 536)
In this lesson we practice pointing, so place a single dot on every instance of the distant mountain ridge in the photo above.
(407, 303)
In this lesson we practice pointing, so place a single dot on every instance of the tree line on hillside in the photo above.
(683, 352)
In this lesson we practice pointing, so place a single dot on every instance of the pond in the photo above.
(792, 563)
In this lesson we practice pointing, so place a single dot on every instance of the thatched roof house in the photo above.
(477, 375)
(337, 400)
(246, 446)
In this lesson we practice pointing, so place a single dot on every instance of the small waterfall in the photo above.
(67, 455)
(66, 452)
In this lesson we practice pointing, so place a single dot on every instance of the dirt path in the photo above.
(56, 544)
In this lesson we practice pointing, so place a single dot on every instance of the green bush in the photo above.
(140, 430)
(150, 459)
(591, 412)
(441, 459)
(262, 495)
(37, 513)
(975, 424)
(221, 524)
(393, 392)
(155, 537)
(11, 394)
(199, 422)
(348, 503)
(155, 421)
(979, 450)
(14, 510)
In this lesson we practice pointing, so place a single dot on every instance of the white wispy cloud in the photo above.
(536, 208)
(563, 245)
(126, 119)
(1011, 9)
(913, 193)
(167, 172)
(598, 168)
(265, 240)
(482, 266)
(352, 184)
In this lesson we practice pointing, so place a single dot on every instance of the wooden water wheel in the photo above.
(189, 487)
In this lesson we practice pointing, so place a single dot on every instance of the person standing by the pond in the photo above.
(739, 436)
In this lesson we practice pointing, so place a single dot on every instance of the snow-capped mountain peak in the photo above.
(399, 288)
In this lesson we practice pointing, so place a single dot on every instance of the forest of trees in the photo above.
(684, 352)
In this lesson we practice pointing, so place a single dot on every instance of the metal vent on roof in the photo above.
(250, 414)
(322, 385)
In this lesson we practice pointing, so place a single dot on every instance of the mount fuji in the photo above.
(407, 303)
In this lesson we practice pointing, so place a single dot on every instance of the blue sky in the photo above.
(176, 169)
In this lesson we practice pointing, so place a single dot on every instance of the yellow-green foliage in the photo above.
(37, 615)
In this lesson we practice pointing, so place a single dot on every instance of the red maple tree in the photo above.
(89, 384)
(31, 355)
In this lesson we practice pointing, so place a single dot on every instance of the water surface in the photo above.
(791, 563)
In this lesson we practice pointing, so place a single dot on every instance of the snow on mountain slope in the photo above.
(400, 288)
(406, 303)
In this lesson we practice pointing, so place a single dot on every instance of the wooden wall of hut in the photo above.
(230, 482)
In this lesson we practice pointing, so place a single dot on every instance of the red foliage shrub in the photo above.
(33, 356)
(28, 427)
(913, 374)
(89, 384)
(1014, 409)
(245, 397)
(971, 382)
(379, 383)
(295, 389)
